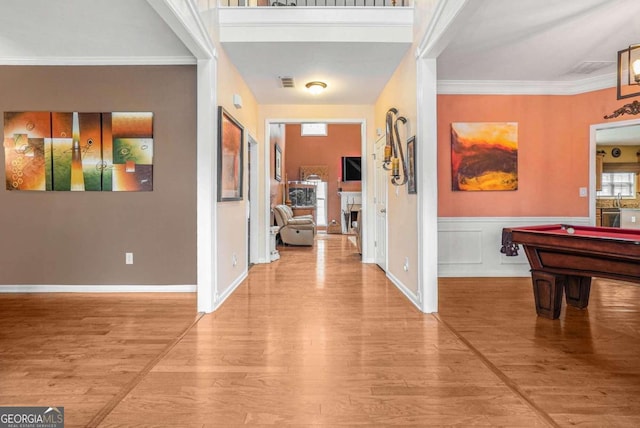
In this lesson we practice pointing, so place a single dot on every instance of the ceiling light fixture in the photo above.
(316, 87)
(628, 80)
(635, 67)
(633, 61)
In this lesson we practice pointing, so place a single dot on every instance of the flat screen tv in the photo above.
(351, 168)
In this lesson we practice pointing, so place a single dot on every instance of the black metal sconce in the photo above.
(393, 153)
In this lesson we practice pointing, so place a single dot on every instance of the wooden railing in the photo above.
(314, 3)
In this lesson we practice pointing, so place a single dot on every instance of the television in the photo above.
(351, 168)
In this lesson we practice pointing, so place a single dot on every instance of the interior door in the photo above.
(381, 187)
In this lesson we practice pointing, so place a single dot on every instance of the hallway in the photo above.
(317, 338)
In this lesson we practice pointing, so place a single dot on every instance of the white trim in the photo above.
(95, 61)
(324, 16)
(367, 199)
(523, 221)
(186, 23)
(46, 288)
(411, 296)
(513, 87)
(447, 18)
(323, 24)
(592, 159)
(207, 186)
(470, 246)
(254, 206)
(222, 297)
(427, 183)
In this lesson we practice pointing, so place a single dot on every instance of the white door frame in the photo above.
(367, 222)
(592, 160)
(254, 191)
(378, 157)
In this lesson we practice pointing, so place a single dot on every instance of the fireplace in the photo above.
(350, 204)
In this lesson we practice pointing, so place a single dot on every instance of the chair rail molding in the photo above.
(470, 246)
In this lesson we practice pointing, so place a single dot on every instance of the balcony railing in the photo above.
(314, 3)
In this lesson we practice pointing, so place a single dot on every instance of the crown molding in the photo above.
(93, 61)
(525, 87)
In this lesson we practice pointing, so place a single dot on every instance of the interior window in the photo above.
(616, 184)
(313, 129)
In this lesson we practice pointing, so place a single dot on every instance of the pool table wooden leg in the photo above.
(577, 291)
(547, 291)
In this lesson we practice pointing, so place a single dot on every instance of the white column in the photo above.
(207, 186)
(427, 173)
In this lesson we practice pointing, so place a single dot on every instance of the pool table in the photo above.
(564, 257)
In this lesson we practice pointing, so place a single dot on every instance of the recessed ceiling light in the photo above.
(316, 87)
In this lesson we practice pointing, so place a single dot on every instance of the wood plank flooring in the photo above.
(319, 339)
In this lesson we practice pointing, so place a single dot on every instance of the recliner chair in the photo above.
(299, 230)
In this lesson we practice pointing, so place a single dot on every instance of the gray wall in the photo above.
(81, 237)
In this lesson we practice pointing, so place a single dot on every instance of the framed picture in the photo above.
(230, 157)
(626, 57)
(278, 164)
(484, 156)
(411, 166)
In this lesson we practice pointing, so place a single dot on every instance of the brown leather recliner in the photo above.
(299, 230)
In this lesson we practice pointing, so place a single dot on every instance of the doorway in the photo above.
(334, 183)
(616, 135)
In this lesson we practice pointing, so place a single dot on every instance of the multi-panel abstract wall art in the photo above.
(51, 151)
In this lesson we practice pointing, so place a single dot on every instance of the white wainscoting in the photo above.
(470, 246)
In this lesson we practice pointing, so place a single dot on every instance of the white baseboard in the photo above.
(46, 288)
(226, 293)
(470, 246)
(413, 297)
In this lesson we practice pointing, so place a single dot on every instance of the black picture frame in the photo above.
(277, 167)
(230, 157)
(412, 186)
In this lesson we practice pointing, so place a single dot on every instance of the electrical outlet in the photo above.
(234, 259)
(406, 264)
(583, 192)
(128, 258)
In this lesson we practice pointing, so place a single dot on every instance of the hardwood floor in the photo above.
(317, 338)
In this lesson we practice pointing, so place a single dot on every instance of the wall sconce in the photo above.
(634, 60)
(316, 87)
(393, 153)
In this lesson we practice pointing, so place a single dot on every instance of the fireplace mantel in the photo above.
(350, 202)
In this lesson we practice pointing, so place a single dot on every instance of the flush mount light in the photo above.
(316, 87)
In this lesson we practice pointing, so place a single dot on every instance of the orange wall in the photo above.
(553, 152)
(341, 140)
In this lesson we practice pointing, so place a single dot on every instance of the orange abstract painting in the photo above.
(73, 151)
(484, 156)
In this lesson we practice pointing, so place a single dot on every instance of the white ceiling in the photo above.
(86, 32)
(540, 40)
(355, 73)
(502, 40)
